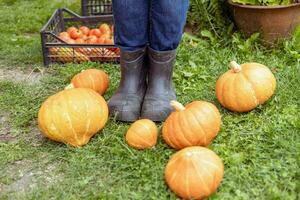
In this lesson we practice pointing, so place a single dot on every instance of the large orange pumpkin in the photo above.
(142, 134)
(245, 86)
(196, 124)
(194, 173)
(73, 116)
(91, 78)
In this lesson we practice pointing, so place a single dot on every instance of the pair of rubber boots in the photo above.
(146, 88)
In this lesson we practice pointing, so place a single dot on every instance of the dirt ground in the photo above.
(29, 76)
(24, 175)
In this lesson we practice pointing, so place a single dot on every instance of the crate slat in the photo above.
(96, 7)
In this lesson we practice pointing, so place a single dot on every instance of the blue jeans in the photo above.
(157, 23)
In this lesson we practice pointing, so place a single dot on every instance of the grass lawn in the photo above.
(260, 149)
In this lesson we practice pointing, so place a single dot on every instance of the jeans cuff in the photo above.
(157, 51)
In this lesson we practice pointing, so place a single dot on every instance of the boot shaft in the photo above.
(133, 70)
(160, 70)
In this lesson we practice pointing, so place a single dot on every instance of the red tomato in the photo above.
(101, 40)
(105, 36)
(85, 30)
(64, 35)
(109, 41)
(71, 29)
(105, 29)
(64, 38)
(92, 39)
(95, 32)
(79, 41)
(76, 34)
(84, 37)
(70, 41)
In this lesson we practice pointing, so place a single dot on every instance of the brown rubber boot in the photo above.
(160, 91)
(127, 101)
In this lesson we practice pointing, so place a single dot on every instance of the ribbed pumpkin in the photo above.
(94, 79)
(73, 116)
(245, 86)
(196, 124)
(142, 134)
(194, 173)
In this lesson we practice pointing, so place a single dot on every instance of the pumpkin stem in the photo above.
(70, 86)
(178, 106)
(235, 66)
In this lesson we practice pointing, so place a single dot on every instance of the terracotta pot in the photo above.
(274, 22)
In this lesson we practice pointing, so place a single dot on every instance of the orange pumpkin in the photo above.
(91, 78)
(142, 134)
(194, 173)
(196, 124)
(73, 116)
(245, 86)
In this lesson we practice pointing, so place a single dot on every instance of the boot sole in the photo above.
(154, 119)
(126, 116)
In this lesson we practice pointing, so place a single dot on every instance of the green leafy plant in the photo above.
(296, 39)
(265, 2)
(209, 16)
(292, 47)
(245, 46)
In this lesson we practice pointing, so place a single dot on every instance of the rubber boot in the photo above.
(126, 102)
(160, 90)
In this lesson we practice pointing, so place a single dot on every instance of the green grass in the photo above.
(260, 149)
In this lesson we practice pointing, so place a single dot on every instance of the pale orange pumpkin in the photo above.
(194, 173)
(196, 124)
(94, 79)
(245, 86)
(142, 134)
(73, 116)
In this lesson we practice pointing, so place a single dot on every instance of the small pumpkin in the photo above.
(94, 79)
(194, 173)
(245, 86)
(73, 116)
(196, 124)
(142, 134)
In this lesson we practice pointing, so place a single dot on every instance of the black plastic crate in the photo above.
(96, 7)
(56, 50)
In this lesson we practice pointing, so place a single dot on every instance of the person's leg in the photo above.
(131, 19)
(167, 20)
(131, 36)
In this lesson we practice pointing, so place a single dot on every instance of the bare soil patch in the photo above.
(32, 76)
(5, 128)
(35, 136)
(25, 175)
